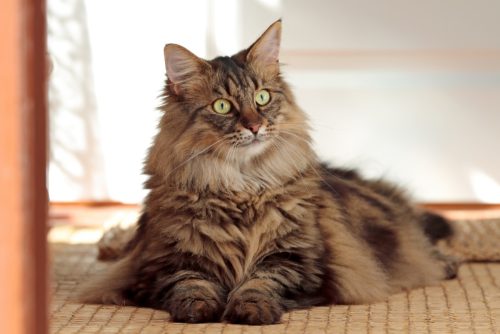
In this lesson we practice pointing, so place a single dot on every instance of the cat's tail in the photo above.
(435, 227)
(108, 286)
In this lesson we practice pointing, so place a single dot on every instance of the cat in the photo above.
(243, 222)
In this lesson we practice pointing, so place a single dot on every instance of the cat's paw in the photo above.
(253, 309)
(451, 265)
(193, 310)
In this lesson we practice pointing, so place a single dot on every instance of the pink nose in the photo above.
(254, 127)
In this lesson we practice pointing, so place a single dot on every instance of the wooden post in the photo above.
(23, 141)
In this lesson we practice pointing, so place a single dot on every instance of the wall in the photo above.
(406, 90)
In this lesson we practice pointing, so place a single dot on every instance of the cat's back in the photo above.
(373, 236)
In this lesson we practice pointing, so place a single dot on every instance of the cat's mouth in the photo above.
(254, 141)
(254, 146)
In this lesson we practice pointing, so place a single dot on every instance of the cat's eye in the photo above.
(262, 97)
(221, 106)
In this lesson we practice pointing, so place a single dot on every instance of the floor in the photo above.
(469, 304)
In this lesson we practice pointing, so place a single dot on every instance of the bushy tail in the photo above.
(107, 287)
(435, 226)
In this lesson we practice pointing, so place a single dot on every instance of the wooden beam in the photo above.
(23, 138)
(466, 206)
(429, 205)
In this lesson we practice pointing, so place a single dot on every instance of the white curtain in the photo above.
(406, 90)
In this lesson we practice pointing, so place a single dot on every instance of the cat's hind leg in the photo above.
(113, 244)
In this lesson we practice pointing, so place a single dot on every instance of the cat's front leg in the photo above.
(256, 302)
(194, 301)
(281, 281)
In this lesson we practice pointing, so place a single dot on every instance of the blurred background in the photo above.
(407, 90)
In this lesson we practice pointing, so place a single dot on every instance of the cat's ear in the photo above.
(264, 53)
(182, 66)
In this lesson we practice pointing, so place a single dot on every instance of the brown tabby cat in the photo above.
(243, 222)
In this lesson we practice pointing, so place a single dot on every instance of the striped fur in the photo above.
(244, 232)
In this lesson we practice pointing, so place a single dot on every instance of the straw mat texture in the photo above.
(469, 304)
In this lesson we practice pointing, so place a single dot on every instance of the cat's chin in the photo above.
(254, 149)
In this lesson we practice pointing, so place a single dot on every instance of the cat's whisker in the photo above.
(222, 157)
(228, 157)
(221, 154)
(298, 154)
(195, 156)
(279, 145)
(300, 138)
(291, 150)
(296, 136)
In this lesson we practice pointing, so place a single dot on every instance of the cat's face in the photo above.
(231, 122)
(238, 104)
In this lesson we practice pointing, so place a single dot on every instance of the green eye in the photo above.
(262, 97)
(221, 106)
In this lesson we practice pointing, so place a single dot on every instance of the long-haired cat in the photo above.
(243, 222)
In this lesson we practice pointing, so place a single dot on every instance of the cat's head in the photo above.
(234, 114)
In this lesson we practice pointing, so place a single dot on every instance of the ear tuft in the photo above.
(264, 53)
(181, 64)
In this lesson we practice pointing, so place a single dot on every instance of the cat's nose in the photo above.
(254, 127)
(251, 121)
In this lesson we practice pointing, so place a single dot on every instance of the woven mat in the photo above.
(469, 304)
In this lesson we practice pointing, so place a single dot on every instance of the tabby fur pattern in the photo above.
(243, 222)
